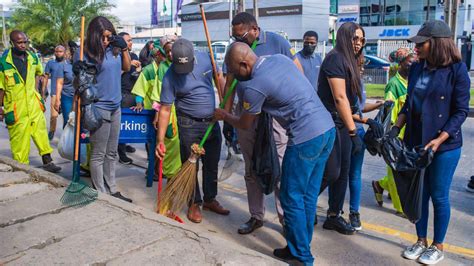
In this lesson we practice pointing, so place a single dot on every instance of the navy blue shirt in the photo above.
(51, 69)
(108, 80)
(192, 93)
(280, 89)
(65, 72)
(311, 66)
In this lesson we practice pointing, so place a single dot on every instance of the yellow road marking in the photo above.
(413, 238)
(383, 230)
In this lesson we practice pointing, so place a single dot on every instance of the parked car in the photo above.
(373, 62)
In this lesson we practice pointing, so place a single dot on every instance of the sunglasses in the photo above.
(358, 39)
(240, 38)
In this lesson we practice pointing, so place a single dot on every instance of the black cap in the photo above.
(432, 29)
(183, 56)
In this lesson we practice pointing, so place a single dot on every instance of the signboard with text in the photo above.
(391, 32)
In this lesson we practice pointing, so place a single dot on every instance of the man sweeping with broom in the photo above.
(276, 86)
(188, 84)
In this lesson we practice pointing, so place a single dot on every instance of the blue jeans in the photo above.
(66, 107)
(355, 174)
(190, 132)
(302, 172)
(437, 181)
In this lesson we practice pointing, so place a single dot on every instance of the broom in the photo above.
(78, 193)
(180, 189)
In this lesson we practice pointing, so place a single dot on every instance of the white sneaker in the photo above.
(414, 251)
(431, 255)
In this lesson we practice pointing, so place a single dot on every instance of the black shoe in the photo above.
(250, 226)
(51, 167)
(283, 254)
(315, 219)
(120, 196)
(130, 149)
(470, 185)
(124, 159)
(354, 218)
(339, 224)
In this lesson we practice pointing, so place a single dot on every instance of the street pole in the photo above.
(428, 11)
(172, 19)
(255, 10)
(230, 17)
(454, 19)
(447, 11)
(241, 6)
(4, 29)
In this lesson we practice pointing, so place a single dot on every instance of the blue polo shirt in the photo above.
(65, 72)
(280, 89)
(108, 79)
(51, 69)
(192, 93)
(311, 66)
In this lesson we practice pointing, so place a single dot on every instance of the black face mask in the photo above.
(308, 49)
(241, 78)
(16, 51)
(59, 59)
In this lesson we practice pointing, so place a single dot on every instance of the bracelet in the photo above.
(353, 132)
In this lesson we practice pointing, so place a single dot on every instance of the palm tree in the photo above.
(51, 22)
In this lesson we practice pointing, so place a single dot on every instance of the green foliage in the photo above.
(52, 22)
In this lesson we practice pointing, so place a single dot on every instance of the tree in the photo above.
(52, 22)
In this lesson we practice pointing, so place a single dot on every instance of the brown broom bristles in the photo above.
(180, 189)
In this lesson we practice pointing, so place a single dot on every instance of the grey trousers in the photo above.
(255, 196)
(104, 143)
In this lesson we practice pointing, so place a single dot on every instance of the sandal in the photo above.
(378, 194)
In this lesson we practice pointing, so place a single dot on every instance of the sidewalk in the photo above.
(36, 229)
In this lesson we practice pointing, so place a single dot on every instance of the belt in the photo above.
(205, 120)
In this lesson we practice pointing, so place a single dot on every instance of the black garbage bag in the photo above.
(84, 75)
(91, 119)
(384, 116)
(265, 162)
(408, 166)
(89, 95)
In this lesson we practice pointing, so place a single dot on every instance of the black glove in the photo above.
(394, 132)
(376, 127)
(228, 132)
(118, 41)
(356, 144)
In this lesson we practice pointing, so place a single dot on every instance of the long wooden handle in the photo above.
(214, 68)
(78, 101)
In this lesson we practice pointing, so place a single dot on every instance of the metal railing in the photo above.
(375, 76)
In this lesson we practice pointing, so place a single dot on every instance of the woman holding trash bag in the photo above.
(109, 52)
(339, 88)
(437, 105)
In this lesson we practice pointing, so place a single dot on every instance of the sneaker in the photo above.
(354, 218)
(130, 149)
(118, 195)
(339, 224)
(50, 135)
(431, 255)
(470, 185)
(283, 254)
(51, 167)
(124, 159)
(414, 252)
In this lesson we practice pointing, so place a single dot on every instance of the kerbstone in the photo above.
(5, 168)
(7, 178)
(15, 191)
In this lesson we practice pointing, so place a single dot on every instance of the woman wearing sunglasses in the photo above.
(437, 105)
(340, 90)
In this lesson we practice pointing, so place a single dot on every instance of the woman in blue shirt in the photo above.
(437, 105)
(110, 54)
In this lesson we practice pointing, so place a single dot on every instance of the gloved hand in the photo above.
(356, 144)
(118, 41)
(376, 127)
(394, 132)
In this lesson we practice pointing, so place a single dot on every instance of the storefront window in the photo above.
(395, 12)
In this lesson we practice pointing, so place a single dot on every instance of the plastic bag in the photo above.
(91, 119)
(66, 141)
(408, 167)
(384, 116)
(265, 162)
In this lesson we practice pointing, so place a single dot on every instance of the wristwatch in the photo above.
(353, 132)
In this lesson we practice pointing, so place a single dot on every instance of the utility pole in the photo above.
(454, 19)
(230, 16)
(447, 11)
(255, 9)
(241, 7)
(4, 29)
(428, 11)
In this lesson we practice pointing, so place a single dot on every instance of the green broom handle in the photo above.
(222, 104)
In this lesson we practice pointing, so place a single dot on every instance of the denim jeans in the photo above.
(190, 132)
(302, 172)
(355, 174)
(438, 177)
(66, 108)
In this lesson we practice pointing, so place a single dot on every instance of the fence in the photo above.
(375, 76)
(384, 48)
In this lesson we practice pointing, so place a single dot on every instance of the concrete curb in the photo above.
(224, 250)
